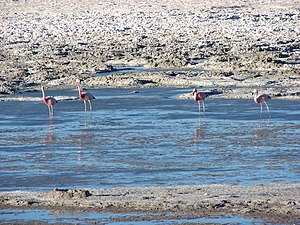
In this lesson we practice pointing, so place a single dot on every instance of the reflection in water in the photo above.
(86, 134)
(49, 137)
(265, 122)
(199, 132)
(263, 132)
(79, 153)
(88, 120)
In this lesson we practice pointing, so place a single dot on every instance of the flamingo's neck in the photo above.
(79, 90)
(195, 95)
(44, 94)
(255, 96)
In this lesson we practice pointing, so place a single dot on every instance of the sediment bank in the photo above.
(274, 202)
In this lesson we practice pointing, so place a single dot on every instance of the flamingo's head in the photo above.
(255, 91)
(194, 91)
(77, 82)
(42, 88)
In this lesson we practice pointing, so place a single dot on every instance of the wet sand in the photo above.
(277, 203)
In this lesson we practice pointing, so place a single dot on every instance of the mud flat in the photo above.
(275, 202)
(244, 44)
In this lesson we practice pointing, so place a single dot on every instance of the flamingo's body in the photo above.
(260, 99)
(49, 101)
(199, 97)
(85, 96)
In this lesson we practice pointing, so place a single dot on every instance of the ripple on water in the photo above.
(147, 139)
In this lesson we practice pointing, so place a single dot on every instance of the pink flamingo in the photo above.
(85, 96)
(259, 99)
(199, 96)
(49, 101)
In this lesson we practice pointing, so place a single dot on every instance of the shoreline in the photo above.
(239, 92)
(274, 202)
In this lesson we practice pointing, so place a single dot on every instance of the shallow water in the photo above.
(43, 216)
(140, 69)
(146, 139)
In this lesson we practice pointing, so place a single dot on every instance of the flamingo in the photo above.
(49, 101)
(85, 96)
(259, 99)
(199, 96)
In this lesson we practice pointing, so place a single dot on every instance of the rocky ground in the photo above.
(278, 203)
(243, 43)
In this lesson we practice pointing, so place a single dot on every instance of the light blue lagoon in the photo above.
(148, 138)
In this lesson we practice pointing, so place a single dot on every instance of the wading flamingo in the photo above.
(85, 96)
(199, 96)
(259, 99)
(49, 101)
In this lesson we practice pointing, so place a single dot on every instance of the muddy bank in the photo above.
(216, 85)
(276, 202)
(243, 43)
(226, 85)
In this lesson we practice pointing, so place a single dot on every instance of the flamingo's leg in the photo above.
(268, 110)
(260, 109)
(84, 105)
(91, 108)
(199, 106)
(49, 109)
(203, 106)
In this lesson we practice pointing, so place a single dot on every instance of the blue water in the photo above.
(148, 138)
(43, 216)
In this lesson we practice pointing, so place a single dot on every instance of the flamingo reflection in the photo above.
(49, 137)
(86, 135)
(199, 132)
